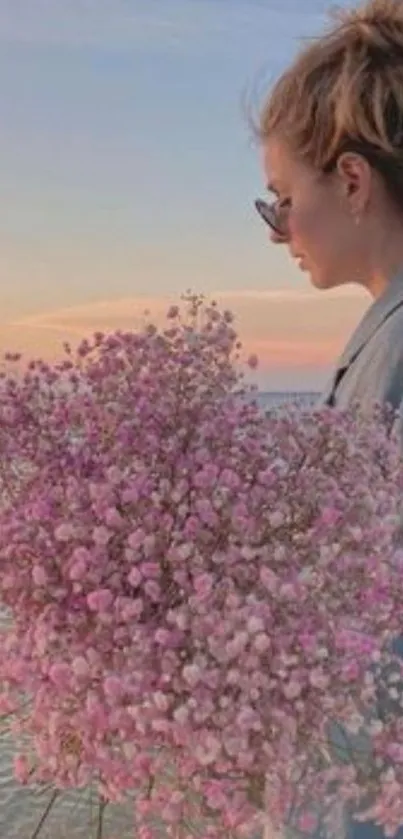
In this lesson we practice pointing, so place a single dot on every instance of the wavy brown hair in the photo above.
(344, 91)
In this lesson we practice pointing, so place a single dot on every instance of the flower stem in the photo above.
(101, 810)
(45, 815)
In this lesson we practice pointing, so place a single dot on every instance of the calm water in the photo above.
(274, 399)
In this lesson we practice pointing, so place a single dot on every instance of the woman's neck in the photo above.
(384, 268)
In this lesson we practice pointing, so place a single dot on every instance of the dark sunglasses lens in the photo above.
(269, 215)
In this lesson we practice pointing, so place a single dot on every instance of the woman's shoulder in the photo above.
(380, 369)
(393, 324)
(376, 372)
(387, 341)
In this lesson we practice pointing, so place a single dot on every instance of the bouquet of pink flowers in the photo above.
(196, 590)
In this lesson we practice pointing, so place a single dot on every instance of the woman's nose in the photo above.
(278, 238)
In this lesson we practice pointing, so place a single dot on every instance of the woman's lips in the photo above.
(301, 262)
(300, 259)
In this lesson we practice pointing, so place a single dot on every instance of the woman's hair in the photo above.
(344, 91)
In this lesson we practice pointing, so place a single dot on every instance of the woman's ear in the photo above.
(355, 174)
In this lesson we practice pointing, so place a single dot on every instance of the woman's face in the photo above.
(323, 234)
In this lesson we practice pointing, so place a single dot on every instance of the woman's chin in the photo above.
(320, 280)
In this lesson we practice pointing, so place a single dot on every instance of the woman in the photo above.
(332, 140)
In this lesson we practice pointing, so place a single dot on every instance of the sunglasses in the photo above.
(275, 215)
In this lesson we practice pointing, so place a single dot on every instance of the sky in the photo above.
(128, 174)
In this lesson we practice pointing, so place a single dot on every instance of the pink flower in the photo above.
(39, 576)
(60, 674)
(191, 674)
(152, 589)
(113, 688)
(308, 823)
(329, 516)
(161, 701)
(262, 642)
(80, 667)
(64, 532)
(100, 601)
(230, 479)
(292, 689)
(78, 570)
(113, 519)
(150, 570)
(269, 579)
(253, 361)
(177, 591)
(205, 511)
(134, 577)
(203, 585)
(101, 535)
(162, 636)
(136, 539)
(207, 752)
(319, 679)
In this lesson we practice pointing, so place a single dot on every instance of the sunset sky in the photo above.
(128, 175)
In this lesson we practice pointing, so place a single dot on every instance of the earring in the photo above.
(357, 219)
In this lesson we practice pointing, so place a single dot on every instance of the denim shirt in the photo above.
(370, 370)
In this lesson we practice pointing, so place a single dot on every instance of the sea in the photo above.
(33, 814)
(272, 399)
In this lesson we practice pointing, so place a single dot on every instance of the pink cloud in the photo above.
(288, 329)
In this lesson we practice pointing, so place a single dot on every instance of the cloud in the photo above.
(289, 294)
(106, 314)
(295, 354)
(286, 328)
(129, 309)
